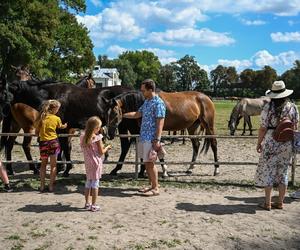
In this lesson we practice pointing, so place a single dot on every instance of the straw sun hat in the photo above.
(278, 90)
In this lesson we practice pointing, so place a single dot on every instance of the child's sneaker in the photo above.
(8, 188)
(87, 206)
(95, 208)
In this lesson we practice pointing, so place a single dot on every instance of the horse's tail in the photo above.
(6, 124)
(207, 119)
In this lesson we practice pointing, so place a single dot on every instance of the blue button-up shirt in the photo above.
(151, 110)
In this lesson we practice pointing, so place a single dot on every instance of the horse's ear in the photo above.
(90, 76)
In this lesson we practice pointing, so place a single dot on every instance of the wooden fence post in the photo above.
(136, 159)
(294, 163)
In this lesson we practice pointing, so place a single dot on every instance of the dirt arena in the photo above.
(195, 212)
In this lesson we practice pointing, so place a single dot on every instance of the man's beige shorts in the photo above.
(143, 150)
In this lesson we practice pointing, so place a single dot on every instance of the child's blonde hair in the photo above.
(47, 108)
(92, 123)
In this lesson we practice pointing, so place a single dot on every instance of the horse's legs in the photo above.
(250, 125)
(125, 145)
(195, 143)
(164, 167)
(14, 128)
(67, 148)
(245, 119)
(183, 139)
(214, 148)
(60, 166)
(26, 148)
(8, 148)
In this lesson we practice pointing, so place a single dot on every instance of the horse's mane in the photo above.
(131, 100)
(32, 94)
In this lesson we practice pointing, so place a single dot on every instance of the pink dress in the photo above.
(92, 159)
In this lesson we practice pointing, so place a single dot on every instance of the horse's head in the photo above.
(87, 82)
(114, 117)
(234, 119)
(90, 82)
(232, 126)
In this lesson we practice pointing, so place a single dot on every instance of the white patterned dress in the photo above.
(275, 156)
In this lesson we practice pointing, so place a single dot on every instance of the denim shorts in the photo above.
(92, 183)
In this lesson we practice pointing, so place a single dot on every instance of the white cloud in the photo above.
(189, 37)
(286, 37)
(164, 56)
(161, 52)
(263, 57)
(252, 22)
(282, 61)
(97, 3)
(115, 50)
(238, 64)
(276, 7)
(111, 24)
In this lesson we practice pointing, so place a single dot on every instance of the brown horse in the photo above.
(87, 82)
(23, 116)
(189, 110)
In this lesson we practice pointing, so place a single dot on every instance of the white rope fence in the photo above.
(137, 162)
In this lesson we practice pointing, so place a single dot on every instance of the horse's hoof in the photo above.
(165, 176)
(36, 171)
(65, 174)
(141, 175)
(10, 172)
(113, 173)
(217, 172)
(189, 172)
(59, 169)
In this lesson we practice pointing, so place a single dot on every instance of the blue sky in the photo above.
(240, 33)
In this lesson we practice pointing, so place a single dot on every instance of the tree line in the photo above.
(186, 74)
(46, 36)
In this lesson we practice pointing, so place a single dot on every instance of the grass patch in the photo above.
(89, 247)
(37, 234)
(17, 246)
(93, 237)
(117, 226)
(157, 244)
(13, 237)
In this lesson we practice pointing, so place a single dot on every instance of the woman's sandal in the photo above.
(265, 206)
(277, 205)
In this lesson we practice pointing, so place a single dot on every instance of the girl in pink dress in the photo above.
(93, 150)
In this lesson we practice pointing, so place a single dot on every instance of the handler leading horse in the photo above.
(189, 110)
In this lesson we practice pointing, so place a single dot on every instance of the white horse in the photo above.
(246, 108)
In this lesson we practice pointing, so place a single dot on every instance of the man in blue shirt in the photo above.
(153, 113)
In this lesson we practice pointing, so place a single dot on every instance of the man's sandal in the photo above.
(151, 192)
(277, 205)
(265, 206)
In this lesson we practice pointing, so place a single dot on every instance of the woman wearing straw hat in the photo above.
(275, 156)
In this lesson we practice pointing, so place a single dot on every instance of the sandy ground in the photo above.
(201, 215)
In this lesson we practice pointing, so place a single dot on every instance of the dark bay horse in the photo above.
(189, 110)
(21, 116)
(78, 104)
(246, 108)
